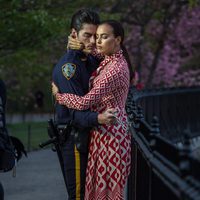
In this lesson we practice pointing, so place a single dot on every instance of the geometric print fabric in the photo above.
(110, 146)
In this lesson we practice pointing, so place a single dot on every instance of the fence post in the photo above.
(29, 138)
(131, 109)
(155, 130)
(140, 114)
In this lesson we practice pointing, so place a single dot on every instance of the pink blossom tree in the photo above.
(163, 42)
(181, 47)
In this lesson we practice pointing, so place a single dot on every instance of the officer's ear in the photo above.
(74, 33)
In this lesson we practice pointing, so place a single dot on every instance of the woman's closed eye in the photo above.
(104, 36)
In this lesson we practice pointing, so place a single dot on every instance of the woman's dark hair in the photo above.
(84, 16)
(118, 30)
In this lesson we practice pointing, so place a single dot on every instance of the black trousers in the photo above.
(75, 164)
(1, 192)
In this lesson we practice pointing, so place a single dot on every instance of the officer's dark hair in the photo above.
(84, 16)
(118, 30)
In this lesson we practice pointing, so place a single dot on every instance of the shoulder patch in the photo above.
(68, 70)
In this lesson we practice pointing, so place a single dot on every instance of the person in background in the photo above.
(135, 81)
(11, 148)
(1, 192)
(110, 146)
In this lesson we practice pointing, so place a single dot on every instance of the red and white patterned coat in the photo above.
(110, 146)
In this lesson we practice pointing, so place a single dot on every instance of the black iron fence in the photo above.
(177, 109)
(161, 169)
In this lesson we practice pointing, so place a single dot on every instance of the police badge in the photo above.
(68, 70)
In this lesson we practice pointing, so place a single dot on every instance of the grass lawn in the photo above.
(30, 133)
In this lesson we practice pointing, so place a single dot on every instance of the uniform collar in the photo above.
(79, 52)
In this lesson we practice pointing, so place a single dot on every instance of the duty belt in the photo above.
(81, 138)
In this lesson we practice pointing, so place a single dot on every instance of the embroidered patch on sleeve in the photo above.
(68, 70)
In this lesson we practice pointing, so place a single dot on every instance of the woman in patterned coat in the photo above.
(110, 147)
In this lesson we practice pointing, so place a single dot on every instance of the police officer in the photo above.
(71, 75)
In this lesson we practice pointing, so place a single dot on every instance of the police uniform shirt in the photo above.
(71, 75)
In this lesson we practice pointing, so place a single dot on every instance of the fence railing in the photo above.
(160, 168)
(177, 110)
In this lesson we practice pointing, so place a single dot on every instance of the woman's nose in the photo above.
(98, 40)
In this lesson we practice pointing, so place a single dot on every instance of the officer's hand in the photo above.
(54, 89)
(108, 117)
(74, 43)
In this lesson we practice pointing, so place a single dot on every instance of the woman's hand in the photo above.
(54, 89)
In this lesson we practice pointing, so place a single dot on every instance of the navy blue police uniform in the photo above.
(71, 75)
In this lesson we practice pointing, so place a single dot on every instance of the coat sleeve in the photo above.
(78, 118)
(109, 82)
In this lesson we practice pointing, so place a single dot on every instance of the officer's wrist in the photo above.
(100, 118)
(56, 95)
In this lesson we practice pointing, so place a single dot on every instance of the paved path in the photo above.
(38, 178)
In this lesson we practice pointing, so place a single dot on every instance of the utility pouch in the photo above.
(63, 133)
(82, 140)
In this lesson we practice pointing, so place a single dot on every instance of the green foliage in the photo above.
(90, 4)
(27, 29)
(106, 16)
(26, 72)
(193, 3)
(31, 42)
(25, 65)
(159, 14)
